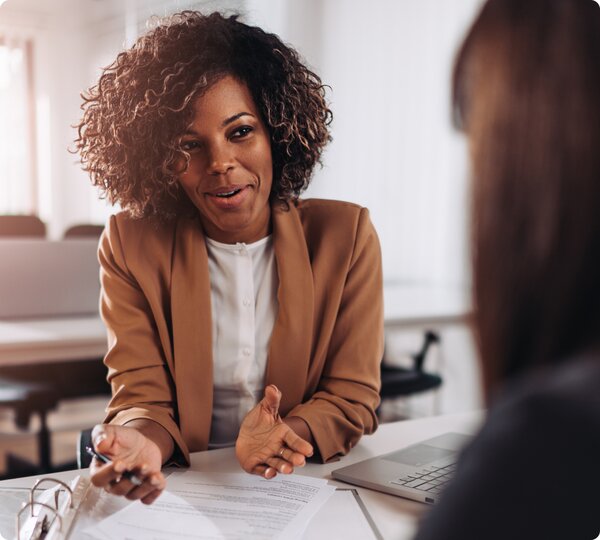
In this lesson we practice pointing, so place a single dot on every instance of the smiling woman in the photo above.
(238, 314)
(230, 171)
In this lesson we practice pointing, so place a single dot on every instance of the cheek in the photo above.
(188, 185)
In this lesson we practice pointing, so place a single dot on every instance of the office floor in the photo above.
(455, 360)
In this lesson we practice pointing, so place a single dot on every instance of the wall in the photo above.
(388, 63)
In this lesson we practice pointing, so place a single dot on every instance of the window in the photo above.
(18, 174)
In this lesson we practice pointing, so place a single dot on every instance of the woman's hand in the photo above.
(129, 450)
(265, 444)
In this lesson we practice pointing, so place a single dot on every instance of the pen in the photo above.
(135, 480)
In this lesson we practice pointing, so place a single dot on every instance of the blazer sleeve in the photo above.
(343, 407)
(142, 387)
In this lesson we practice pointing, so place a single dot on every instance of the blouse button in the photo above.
(246, 302)
(246, 351)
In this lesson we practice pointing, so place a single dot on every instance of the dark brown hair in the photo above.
(128, 138)
(527, 92)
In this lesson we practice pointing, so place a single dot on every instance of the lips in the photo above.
(229, 197)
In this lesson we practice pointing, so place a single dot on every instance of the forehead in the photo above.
(224, 98)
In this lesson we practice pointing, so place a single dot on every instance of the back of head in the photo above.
(526, 89)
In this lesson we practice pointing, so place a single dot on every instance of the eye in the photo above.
(189, 146)
(241, 132)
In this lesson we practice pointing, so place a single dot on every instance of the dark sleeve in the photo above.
(532, 473)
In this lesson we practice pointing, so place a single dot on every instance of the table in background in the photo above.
(36, 341)
(411, 304)
(395, 517)
(66, 351)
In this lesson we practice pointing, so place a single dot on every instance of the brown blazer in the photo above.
(326, 345)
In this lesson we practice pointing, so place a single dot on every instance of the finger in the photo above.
(264, 471)
(298, 444)
(102, 474)
(152, 496)
(281, 465)
(294, 458)
(272, 400)
(143, 491)
(120, 487)
(103, 436)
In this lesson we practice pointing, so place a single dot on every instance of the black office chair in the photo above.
(397, 381)
(22, 226)
(27, 391)
(26, 399)
(84, 440)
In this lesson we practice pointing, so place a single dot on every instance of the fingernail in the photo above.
(119, 466)
(144, 469)
(268, 472)
(99, 438)
(155, 481)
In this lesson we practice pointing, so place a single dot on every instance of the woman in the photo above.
(526, 89)
(218, 283)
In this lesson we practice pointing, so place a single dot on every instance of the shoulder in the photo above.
(136, 238)
(570, 387)
(522, 462)
(334, 220)
(327, 210)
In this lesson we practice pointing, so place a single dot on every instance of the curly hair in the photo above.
(134, 117)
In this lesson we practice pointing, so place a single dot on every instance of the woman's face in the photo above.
(230, 172)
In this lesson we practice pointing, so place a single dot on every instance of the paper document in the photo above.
(204, 505)
(343, 516)
(11, 500)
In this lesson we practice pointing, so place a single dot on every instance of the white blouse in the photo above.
(243, 287)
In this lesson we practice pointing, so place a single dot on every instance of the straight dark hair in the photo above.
(527, 92)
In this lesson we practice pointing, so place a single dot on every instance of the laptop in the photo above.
(42, 278)
(417, 472)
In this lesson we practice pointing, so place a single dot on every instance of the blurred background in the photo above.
(388, 65)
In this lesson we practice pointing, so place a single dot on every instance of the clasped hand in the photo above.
(129, 450)
(266, 445)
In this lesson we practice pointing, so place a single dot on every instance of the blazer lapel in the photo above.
(291, 340)
(192, 333)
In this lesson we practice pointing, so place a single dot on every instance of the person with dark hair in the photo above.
(220, 286)
(526, 87)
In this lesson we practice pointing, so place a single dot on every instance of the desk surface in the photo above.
(395, 517)
(416, 305)
(47, 340)
(75, 338)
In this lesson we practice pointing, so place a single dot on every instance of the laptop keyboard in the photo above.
(431, 479)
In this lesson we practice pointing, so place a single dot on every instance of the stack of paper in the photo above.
(215, 506)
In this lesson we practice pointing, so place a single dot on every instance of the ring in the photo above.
(280, 453)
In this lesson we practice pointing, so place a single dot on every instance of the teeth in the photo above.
(229, 193)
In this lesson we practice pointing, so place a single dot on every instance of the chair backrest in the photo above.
(84, 230)
(22, 225)
(84, 440)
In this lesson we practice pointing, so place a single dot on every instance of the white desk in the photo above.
(395, 517)
(409, 304)
(36, 341)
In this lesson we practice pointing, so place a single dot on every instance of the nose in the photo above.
(220, 159)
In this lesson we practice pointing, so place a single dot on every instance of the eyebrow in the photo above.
(225, 122)
(233, 118)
